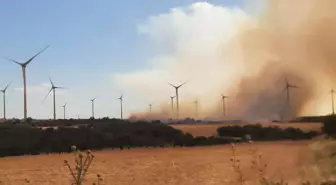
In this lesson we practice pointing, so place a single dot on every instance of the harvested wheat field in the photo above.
(187, 166)
(211, 129)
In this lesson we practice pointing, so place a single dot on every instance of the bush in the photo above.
(329, 125)
(113, 133)
(260, 133)
(95, 134)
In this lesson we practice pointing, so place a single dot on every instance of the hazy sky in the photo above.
(96, 46)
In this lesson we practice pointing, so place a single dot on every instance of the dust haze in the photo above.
(224, 50)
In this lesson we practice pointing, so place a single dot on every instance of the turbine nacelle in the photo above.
(288, 85)
(121, 97)
(223, 97)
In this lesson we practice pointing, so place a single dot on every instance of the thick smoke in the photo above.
(224, 50)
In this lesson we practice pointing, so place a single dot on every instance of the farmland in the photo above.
(199, 165)
(169, 165)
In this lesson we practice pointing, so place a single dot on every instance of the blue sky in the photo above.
(90, 41)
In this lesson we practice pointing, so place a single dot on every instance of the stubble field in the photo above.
(187, 166)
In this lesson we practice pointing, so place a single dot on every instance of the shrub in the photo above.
(259, 133)
(81, 166)
(105, 118)
(329, 125)
(96, 135)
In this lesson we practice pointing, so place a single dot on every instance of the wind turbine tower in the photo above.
(224, 107)
(177, 97)
(150, 108)
(4, 99)
(64, 106)
(92, 105)
(172, 103)
(53, 89)
(288, 87)
(121, 106)
(196, 109)
(332, 101)
(24, 66)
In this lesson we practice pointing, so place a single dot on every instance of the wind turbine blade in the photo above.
(183, 83)
(28, 61)
(294, 86)
(13, 61)
(47, 95)
(172, 85)
(8, 85)
(52, 84)
(286, 80)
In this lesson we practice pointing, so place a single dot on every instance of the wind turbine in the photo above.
(24, 66)
(150, 107)
(121, 107)
(53, 88)
(288, 86)
(224, 108)
(332, 101)
(64, 109)
(196, 109)
(92, 103)
(4, 99)
(177, 98)
(172, 103)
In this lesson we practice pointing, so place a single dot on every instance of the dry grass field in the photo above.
(211, 129)
(187, 166)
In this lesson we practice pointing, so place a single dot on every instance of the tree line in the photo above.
(32, 138)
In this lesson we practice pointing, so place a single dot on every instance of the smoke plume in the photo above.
(224, 50)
